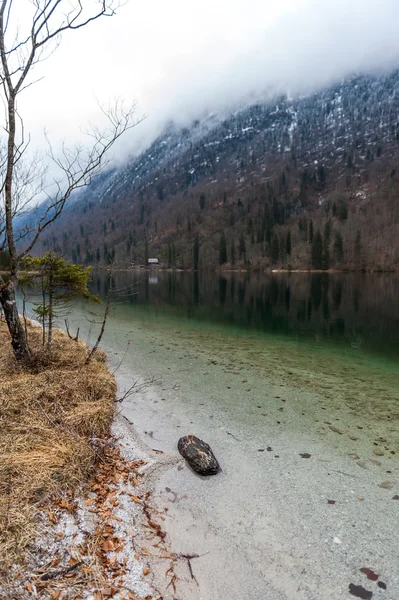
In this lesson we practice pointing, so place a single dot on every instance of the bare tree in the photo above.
(19, 53)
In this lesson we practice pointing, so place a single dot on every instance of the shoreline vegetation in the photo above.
(67, 489)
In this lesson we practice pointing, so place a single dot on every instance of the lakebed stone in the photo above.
(198, 454)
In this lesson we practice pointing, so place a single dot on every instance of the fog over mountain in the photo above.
(182, 59)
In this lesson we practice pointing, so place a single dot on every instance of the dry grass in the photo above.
(49, 417)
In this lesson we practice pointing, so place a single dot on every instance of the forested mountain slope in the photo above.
(294, 182)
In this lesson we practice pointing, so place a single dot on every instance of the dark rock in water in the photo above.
(198, 454)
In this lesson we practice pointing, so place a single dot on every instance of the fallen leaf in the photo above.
(369, 573)
(305, 455)
(146, 571)
(29, 588)
(396, 497)
(135, 499)
(331, 501)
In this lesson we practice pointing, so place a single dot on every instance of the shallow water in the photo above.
(332, 336)
(267, 370)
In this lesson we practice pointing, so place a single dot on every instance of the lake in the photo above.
(294, 381)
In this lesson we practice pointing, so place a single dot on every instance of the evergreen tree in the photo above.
(310, 231)
(196, 252)
(169, 256)
(358, 250)
(222, 250)
(327, 231)
(174, 255)
(274, 249)
(146, 252)
(241, 247)
(233, 253)
(343, 211)
(326, 245)
(58, 283)
(338, 247)
(98, 256)
(288, 244)
(317, 251)
(202, 201)
(326, 255)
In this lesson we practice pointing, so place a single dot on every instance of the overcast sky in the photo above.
(181, 57)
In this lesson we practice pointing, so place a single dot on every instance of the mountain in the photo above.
(296, 182)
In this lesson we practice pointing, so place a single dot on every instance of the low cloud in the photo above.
(181, 59)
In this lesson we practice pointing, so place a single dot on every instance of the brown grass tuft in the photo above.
(50, 415)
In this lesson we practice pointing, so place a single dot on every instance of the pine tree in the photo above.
(317, 251)
(288, 245)
(169, 256)
(58, 283)
(274, 249)
(233, 253)
(241, 247)
(326, 245)
(202, 201)
(196, 252)
(310, 231)
(222, 250)
(338, 247)
(174, 255)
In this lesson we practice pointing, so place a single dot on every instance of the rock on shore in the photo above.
(199, 455)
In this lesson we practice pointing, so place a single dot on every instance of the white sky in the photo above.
(181, 57)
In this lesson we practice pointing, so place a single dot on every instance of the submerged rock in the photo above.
(198, 454)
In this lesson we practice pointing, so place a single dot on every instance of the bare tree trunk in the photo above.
(18, 338)
(18, 56)
(50, 313)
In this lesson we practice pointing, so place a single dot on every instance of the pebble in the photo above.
(378, 452)
(335, 429)
(386, 485)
